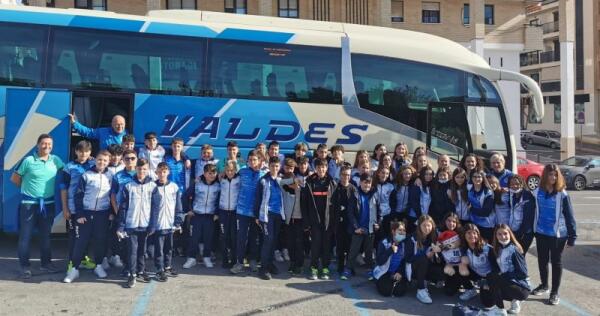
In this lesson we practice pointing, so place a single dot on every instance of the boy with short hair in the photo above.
(179, 173)
(293, 217)
(336, 162)
(269, 212)
(202, 201)
(71, 174)
(316, 214)
(152, 152)
(363, 219)
(92, 209)
(206, 157)
(247, 229)
(128, 142)
(321, 153)
(134, 219)
(116, 155)
(166, 218)
(341, 196)
(273, 151)
(233, 152)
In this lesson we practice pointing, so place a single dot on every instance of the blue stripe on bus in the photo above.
(35, 17)
(258, 36)
(107, 23)
(180, 29)
(49, 107)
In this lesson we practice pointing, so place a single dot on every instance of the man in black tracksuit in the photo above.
(316, 213)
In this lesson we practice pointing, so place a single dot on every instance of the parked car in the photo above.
(581, 172)
(531, 171)
(543, 137)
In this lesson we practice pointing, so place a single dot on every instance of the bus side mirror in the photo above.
(592, 166)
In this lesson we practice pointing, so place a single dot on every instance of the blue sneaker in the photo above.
(346, 274)
(370, 276)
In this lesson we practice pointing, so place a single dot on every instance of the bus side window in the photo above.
(21, 50)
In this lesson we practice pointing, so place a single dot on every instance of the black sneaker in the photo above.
(131, 281)
(554, 299)
(49, 268)
(144, 277)
(161, 276)
(540, 290)
(171, 272)
(264, 274)
(273, 270)
(26, 274)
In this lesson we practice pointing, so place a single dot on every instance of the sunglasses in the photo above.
(130, 158)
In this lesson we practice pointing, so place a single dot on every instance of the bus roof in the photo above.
(373, 40)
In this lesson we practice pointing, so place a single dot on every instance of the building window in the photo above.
(557, 114)
(181, 5)
(430, 12)
(236, 6)
(288, 8)
(489, 14)
(466, 14)
(397, 11)
(91, 4)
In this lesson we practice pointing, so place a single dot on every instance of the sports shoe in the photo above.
(115, 261)
(207, 262)
(286, 254)
(346, 274)
(314, 273)
(264, 274)
(87, 264)
(540, 290)
(26, 274)
(325, 274)
(278, 256)
(190, 262)
(554, 299)
(71, 275)
(105, 265)
(99, 271)
(144, 276)
(468, 294)
(253, 266)
(370, 275)
(49, 268)
(423, 296)
(131, 280)
(171, 272)
(237, 268)
(161, 276)
(439, 284)
(515, 307)
(69, 266)
(492, 311)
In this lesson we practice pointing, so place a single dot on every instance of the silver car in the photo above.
(581, 172)
(543, 137)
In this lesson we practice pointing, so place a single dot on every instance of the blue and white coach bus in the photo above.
(212, 77)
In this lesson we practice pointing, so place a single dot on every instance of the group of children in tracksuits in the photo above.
(257, 209)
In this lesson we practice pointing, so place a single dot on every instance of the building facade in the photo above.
(543, 64)
(494, 29)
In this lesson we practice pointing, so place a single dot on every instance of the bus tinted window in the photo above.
(275, 72)
(22, 50)
(121, 60)
(401, 89)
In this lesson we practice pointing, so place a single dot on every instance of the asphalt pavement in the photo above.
(202, 291)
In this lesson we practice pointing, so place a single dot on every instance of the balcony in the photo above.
(534, 58)
(549, 56)
(550, 27)
(545, 2)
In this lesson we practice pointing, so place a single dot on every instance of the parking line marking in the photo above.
(578, 310)
(143, 300)
(353, 296)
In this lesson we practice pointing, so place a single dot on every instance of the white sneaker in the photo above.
(468, 294)
(116, 261)
(190, 262)
(278, 256)
(286, 254)
(423, 296)
(104, 264)
(515, 307)
(492, 311)
(208, 262)
(99, 270)
(72, 274)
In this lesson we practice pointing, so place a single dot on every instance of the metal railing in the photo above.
(549, 56)
(550, 27)
(545, 2)
(531, 58)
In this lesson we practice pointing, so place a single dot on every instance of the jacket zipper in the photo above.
(99, 190)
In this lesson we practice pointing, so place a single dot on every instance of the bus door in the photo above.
(25, 114)
(448, 129)
(96, 109)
